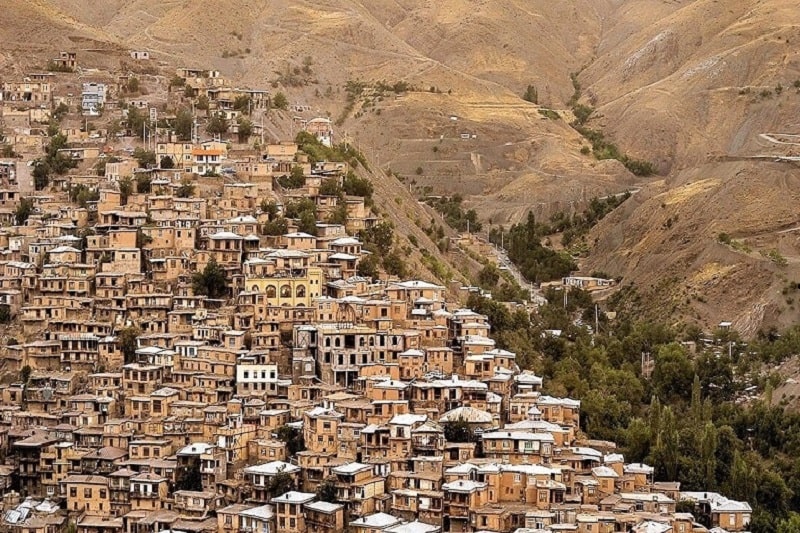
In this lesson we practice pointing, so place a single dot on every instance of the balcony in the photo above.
(458, 512)
(144, 495)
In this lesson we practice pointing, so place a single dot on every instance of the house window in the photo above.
(87, 493)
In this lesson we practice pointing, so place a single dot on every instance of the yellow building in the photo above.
(87, 494)
(284, 287)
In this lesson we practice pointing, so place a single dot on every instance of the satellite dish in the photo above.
(47, 393)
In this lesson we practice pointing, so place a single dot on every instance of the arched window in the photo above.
(327, 342)
(255, 288)
(337, 342)
(271, 292)
(301, 291)
(286, 291)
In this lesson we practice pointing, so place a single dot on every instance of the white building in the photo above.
(93, 97)
(256, 379)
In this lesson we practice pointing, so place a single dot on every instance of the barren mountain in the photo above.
(700, 87)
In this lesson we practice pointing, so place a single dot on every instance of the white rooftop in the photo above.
(225, 235)
(350, 468)
(271, 468)
(377, 520)
(294, 497)
(463, 485)
(408, 419)
(414, 527)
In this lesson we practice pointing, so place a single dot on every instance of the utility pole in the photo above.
(596, 319)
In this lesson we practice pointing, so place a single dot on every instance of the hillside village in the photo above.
(203, 334)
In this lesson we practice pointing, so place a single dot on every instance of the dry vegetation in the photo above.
(683, 84)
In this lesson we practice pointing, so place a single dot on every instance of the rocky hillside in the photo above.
(706, 92)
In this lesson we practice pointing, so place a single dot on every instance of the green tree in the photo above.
(791, 524)
(23, 211)
(665, 453)
(270, 208)
(330, 187)
(82, 195)
(279, 483)
(278, 226)
(326, 491)
(186, 189)
(184, 124)
(293, 438)
(378, 238)
(294, 180)
(673, 374)
(5, 314)
(696, 405)
(395, 264)
(25, 374)
(637, 441)
(307, 222)
(41, 175)
(145, 158)
(202, 103)
(582, 113)
(242, 103)
(488, 277)
(296, 208)
(368, 266)
(280, 101)
(217, 125)
(355, 186)
(128, 342)
(144, 181)
(136, 121)
(167, 162)
(742, 483)
(708, 456)
(458, 431)
(125, 189)
(531, 94)
(190, 478)
(60, 111)
(133, 85)
(245, 129)
(211, 282)
(338, 215)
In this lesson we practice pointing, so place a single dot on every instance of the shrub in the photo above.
(280, 101)
(531, 94)
(549, 113)
(582, 113)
